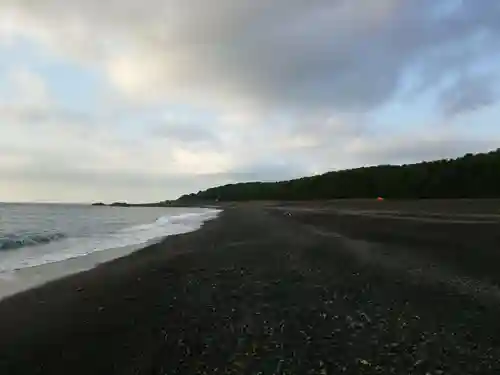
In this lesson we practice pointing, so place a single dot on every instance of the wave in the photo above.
(72, 247)
(191, 218)
(163, 226)
(16, 241)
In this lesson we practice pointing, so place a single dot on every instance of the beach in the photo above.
(351, 287)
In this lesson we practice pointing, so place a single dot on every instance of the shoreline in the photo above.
(257, 290)
(26, 278)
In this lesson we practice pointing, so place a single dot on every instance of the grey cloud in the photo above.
(299, 58)
(186, 133)
(468, 94)
(267, 171)
(291, 54)
(36, 115)
(416, 150)
(66, 183)
(368, 149)
(63, 180)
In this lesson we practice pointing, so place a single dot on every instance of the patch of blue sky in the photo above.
(407, 108)
(415, 104)
(72, 86)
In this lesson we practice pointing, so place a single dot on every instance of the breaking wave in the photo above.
(16, 241)
(35, 250)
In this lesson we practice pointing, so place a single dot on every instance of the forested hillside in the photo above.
(471, 176)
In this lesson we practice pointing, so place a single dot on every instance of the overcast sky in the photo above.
(145, 100)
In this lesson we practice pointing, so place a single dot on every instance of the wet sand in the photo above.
(336, 288)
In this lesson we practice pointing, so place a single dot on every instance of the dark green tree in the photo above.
(471, 176)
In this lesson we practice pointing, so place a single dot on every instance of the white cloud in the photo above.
(25, 88)
(200, 162)
(280, 88)
(72, 163)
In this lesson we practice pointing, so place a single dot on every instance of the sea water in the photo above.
(41, 242)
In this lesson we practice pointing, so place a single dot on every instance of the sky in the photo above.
(142, 101)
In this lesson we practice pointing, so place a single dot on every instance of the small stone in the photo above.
(364, 362)
(419, 362)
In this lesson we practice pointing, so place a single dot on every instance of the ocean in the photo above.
(41, 242)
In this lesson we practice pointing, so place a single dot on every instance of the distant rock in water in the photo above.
(120, 204)
(114, 204)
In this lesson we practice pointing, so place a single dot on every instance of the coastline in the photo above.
(26, 278)
(265, 289)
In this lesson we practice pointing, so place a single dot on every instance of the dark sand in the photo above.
(342, 288)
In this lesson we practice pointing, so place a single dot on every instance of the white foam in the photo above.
(78, 247)
(84, 254)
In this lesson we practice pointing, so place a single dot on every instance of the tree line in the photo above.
(470, 176)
